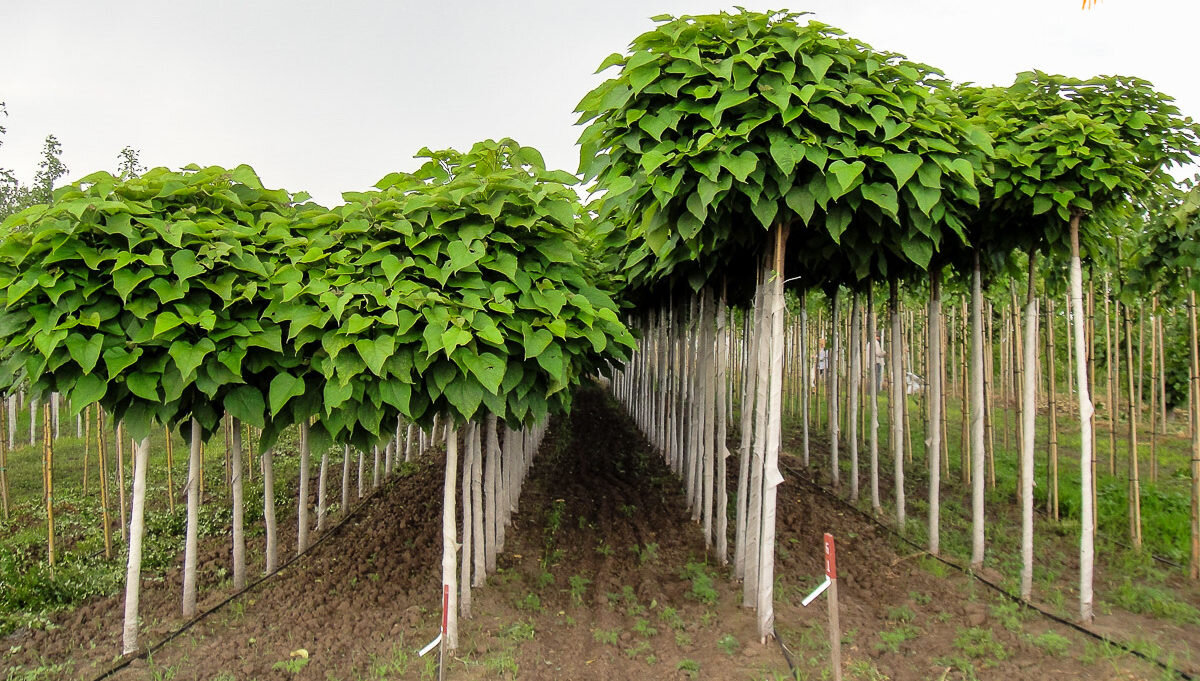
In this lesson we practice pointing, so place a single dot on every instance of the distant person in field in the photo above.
(880, 361)
(822, 359)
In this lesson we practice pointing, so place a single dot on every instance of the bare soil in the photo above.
(605, 576)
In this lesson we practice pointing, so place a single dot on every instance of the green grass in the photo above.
(1165, 506)
(33, 592)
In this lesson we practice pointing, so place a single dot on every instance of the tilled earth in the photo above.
(604, 576)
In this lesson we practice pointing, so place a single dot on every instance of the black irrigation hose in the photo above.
(127, 660)
(1015, 599)
(1161, 559)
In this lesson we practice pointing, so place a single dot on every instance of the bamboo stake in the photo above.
(102, 461)
(1135, 496)
(1195, 415)
(48, 473)
(4, 466)
(120, 437)
(1052, 433)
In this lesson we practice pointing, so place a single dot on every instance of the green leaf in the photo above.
(926, 197)
(283, 388)
(143, 385)
(164, 322)
(882, 195)
(336, 394)
(376, 352)
(184, 266)
(741, 165)
(84, 350)
(88, 389)
(488, 368)
(903, 166)
(188, 356)
(551, 359)
(464, 395)
(117, 360)
(846, 173)
(245, 403)
(536, 341)
(919, 250)
(124, 280)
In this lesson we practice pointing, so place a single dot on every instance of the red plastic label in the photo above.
(830, 557)
(446, 606)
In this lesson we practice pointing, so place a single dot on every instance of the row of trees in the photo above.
(461, 290)
(728, 139)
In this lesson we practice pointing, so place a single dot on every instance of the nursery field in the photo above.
(604, 577)
(611, 424)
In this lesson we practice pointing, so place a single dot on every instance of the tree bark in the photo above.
(896, 354)
(302, 505)
(468, 524)
(873, 432)
(449, 550)
(191, 543)
(239, 535)
(133, 569)
(831, 375)
(268, 464)
(977, 416)
(1087, 527)
(934, 434)
(771, 476)
(722, 437)
(1028, 431)
(852, 389)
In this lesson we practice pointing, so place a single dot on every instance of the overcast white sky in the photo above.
(330, 96)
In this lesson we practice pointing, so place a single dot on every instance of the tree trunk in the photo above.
(771, 476)
(852, 392)
(490, 488)
(1087, 529)
(977, 416)
(755, 505)
(468, 524)
(722, 449)
(897, 401)
(133, 569)
(832, 375)
(478, 538)
(804, 378)
(934, 435)
(239, 535)
(302, 505)
(345, 480)
(1028, 431)
(191, 543)
(876, 374)
(322, 488)
(707, 378)
(449, 551)
(268, 464)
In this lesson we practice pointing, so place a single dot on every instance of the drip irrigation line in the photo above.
(995, 587)
(127, 660)
(1161, 559)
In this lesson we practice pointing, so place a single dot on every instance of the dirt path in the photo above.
(623, 590)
